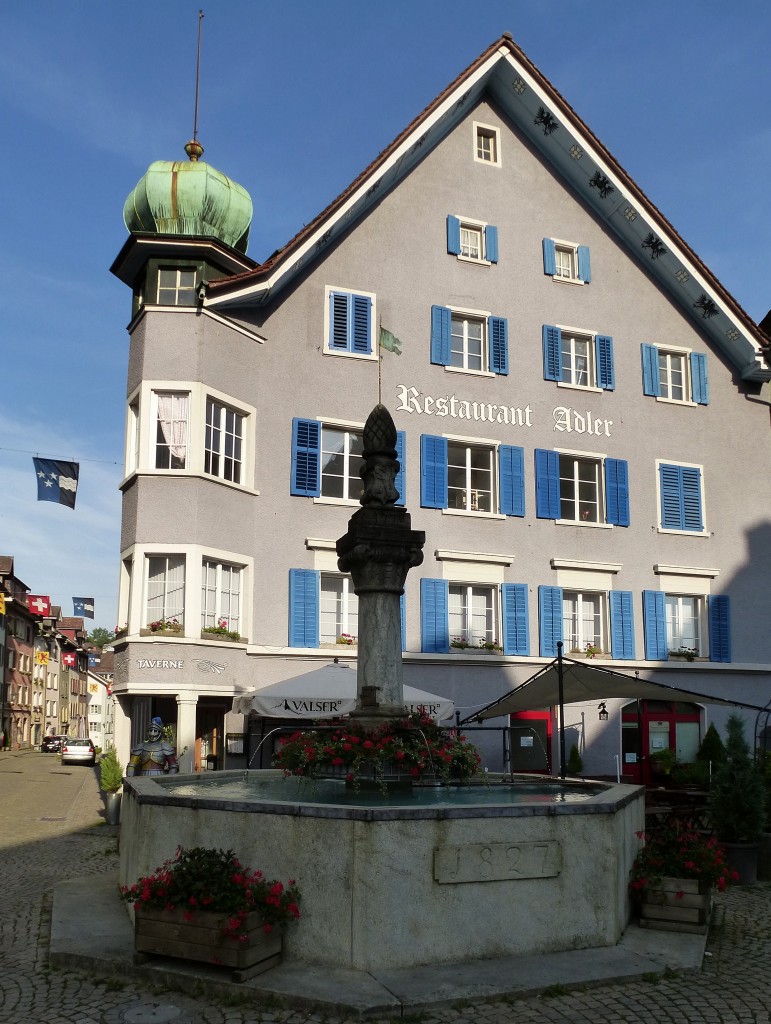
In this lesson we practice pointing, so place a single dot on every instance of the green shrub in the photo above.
(738, 793)
(111, 771)
(575, 763)
(712, 747)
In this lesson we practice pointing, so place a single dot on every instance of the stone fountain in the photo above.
(389, 882)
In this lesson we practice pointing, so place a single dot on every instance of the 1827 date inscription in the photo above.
(493, 862)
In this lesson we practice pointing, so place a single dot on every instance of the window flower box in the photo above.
(179, 633)
(230, 637)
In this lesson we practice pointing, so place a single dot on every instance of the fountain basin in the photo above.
(402, 881)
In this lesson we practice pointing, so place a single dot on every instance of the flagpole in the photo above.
(379, 364)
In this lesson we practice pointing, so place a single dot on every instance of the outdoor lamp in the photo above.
(603, 712)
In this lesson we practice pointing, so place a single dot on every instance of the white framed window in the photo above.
(584, 621)
(341, 460)
(471, 477)
(185, 427)
(349, 319)
(468, 342)
(224, 440)
(338, 608)
(472, 240)
(581, 491)
(190, 583)
(566, 261)
(472, 612)
(487, 144)
(685, 623)
(577, 352)
(171, 418)
(221, 585)
(673, 375)
(165, 588)
(176, 286)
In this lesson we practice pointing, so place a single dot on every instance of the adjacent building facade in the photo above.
(583, 417)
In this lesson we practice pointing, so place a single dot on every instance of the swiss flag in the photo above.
(68, 658)
(39, 605)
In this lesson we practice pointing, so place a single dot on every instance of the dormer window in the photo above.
(176, 287)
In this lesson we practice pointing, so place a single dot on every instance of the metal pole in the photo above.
(562, 710)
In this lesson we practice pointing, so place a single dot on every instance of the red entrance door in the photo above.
(530, 734)
(651, 725)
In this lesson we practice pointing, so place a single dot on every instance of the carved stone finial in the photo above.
(380, 466)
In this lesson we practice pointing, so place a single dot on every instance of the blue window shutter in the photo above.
(681, 498)
(655, 625)
(499, 344)
(671, 497)
(453, 235)
(338, 321)
(400, 481)
(441, 318)
(691, 491)
(584, 264)
(303, 608)
(606, 377)
(547, 484)
(306, 458)
(699, 382)
(435, 625)
(622, 625)
(516, 626)
(719, 627)
(617, 492)
(552, 353)
(433, 471)
(550, 620)
(511, 469)
(361, 334)
(650, 370)
(549, 257)
(491, 243)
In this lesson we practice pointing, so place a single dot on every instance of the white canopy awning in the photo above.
(582, 681)
(327, 693)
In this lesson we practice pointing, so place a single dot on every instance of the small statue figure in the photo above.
(154, 756)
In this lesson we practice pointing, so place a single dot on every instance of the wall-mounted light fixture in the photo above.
(603, 712)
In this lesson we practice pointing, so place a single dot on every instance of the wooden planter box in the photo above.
(168, 933)
(180, 633)
(676, 905)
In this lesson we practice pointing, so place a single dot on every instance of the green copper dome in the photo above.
(190, 198)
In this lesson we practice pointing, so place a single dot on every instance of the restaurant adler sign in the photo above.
(565, 419)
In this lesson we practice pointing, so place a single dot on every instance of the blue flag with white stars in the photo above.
(83, 606)
(56, 481)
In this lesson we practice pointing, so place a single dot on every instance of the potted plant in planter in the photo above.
(221, 631)
(737, 803)
(111, 780)
(662, 762)
(164, 627)
(204, 905)
(673, 875)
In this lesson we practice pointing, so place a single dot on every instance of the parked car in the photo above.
(78, 751)
(52, 744)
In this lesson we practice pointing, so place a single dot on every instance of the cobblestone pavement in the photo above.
(39, 848)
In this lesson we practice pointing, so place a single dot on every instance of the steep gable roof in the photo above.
(505, 75)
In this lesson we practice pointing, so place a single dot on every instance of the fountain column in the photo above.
(378, 551)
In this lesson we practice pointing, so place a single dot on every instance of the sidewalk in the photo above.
(106, 948)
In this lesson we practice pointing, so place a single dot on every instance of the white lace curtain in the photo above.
(172, 419)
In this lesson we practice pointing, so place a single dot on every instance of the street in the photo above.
(52, 827)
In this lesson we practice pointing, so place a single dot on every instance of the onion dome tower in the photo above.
(190, 198)
(189, 224)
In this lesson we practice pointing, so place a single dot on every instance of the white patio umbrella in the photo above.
(327, 692)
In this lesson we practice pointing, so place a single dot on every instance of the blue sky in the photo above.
(297, 97)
